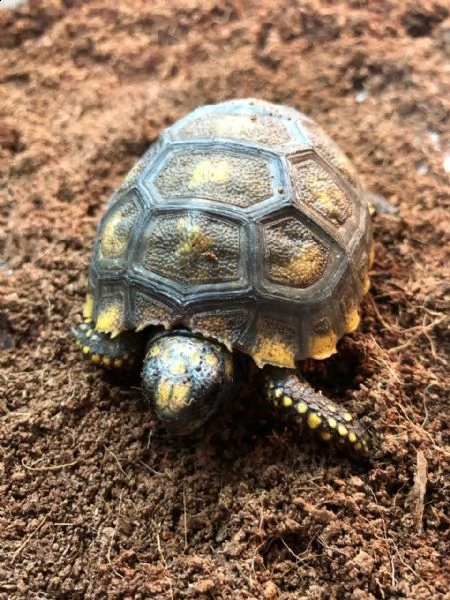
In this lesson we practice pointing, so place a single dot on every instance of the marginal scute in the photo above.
(148, 311)
(275, 344)
(323, 345)
(110, 316)
(135, 172)
(116, 230)
(226, 326)
(88, 308)
(349, 308)
(352, 319)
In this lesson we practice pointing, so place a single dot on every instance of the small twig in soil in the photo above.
(158, 544)
(117, 461)
(113, 535)
(418, 331)
(148, 467)
(387, 540)
(28, 538)
(419, 489)
(382, 358)
(418, 428)
(50, 467)
(185, 519)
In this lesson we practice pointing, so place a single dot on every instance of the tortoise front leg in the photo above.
(112, 352)
(299, 402)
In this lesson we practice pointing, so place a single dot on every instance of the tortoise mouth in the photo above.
(187, 420)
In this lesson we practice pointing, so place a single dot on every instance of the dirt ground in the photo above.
(96, 502)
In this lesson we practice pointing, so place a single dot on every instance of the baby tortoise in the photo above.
(243, 230)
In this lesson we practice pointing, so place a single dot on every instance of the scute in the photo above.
(110, 314)
(275, 342)
(191, 248)
(330, 151)
(225, 325)
(148, 311)
(294, 257)
(215, 174)
(244, 222)
(115, 231)
(255, 128)
(317, 188)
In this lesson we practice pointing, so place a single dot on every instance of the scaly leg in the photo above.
(299, 402)
(118, 352)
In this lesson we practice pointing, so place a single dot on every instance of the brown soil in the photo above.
(95, 501)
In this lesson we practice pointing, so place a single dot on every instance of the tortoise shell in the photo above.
(244, 222)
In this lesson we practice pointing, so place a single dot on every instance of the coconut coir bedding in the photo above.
(96, 502)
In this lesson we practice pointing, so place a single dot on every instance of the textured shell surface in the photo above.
(245, 222)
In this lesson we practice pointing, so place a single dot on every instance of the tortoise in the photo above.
(243, 233)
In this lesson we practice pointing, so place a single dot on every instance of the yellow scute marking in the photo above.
(162, 395)
(274, 351)
(352, 320)
(232, 125)
(112, 245)
(88, 308)
(193, 240)
(195, 359)
(154, 351)
(306, 268)
(314, 421)
(334, 204)
(211, 360)
(180, 395)
(177, 367)
(110, 319)
(207, 171)
(172, 397)
(323, 346)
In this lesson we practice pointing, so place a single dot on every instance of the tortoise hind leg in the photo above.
(118, 352)
(299, 402)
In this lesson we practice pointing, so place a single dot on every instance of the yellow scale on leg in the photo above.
(102, 349)
(306, 407)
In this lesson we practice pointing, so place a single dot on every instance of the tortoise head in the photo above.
(186, 377)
